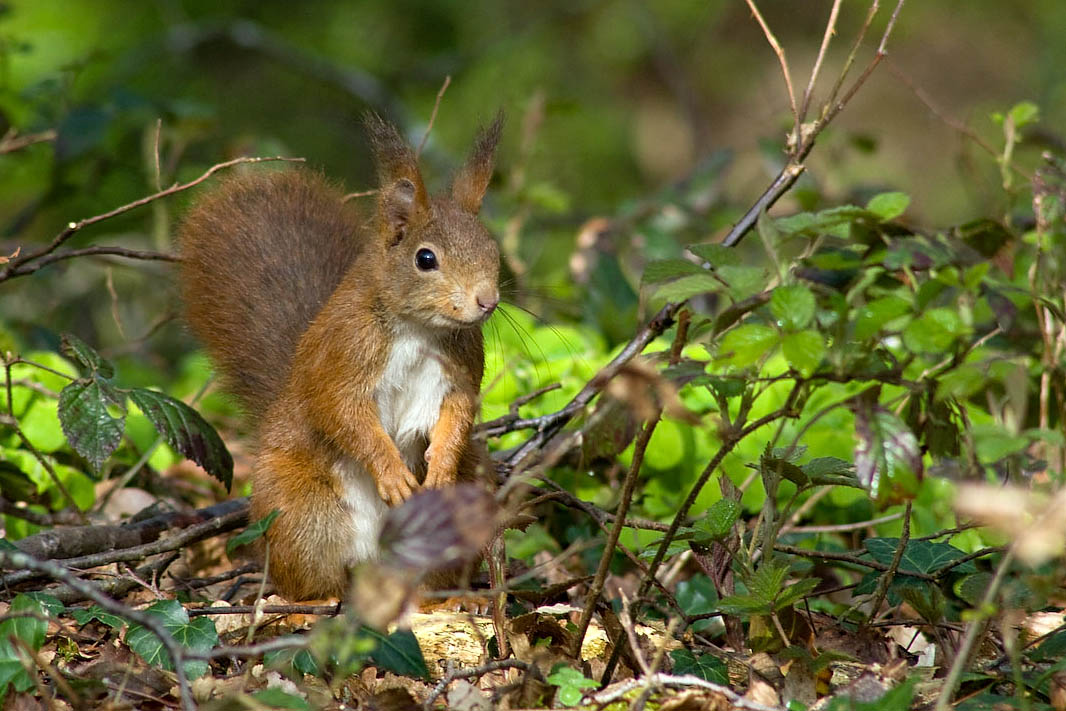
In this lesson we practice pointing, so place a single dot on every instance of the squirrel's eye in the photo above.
(426, 260)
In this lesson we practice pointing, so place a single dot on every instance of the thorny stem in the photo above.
(780, 52)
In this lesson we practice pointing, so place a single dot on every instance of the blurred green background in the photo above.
(612, 104)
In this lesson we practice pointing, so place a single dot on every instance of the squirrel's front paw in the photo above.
(439, 476)
(396, 486)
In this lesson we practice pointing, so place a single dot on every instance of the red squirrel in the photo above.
(355, 347)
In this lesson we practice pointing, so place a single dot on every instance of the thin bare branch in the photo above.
(433, 115)
(12, 141)
(830, 30)
(780, 52)
(73, 228)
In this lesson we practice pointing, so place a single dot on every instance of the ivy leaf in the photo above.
(697, 596)
(398, 652)
(886, 449)
(888, 206)
(91, 429)
(29, 630)
(706, 666)
(919, 556)
(198, 635)
(186, 432)
(253, 532)
(84, 616)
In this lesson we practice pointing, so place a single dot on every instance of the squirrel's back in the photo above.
(261, 255)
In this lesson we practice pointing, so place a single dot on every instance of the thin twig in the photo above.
(18, 559)
(14, 267)
(433, 115)
(886, 579)
(780, 52)
(475, 673)
(830, 30)
(11, 141)
(846, 558)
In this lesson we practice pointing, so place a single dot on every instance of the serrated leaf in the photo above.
(793, 306)
(888, 206)
(186, 432)
(667, 269)
(89, 359)
(91, 429)
(720, 517)
(743, 282)
(706, 666)
(747, 344)
(934, 331)
(766, 583)
(715, 255)
(796, 592)
(872, 317)
(827, 466)
(198, 635)
(804, 350)
(252, 533)
(743, 605)
(687, 287)
(886, 447)
(398, 652)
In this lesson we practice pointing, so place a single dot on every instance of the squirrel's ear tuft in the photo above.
(402, 191)
(473, 179)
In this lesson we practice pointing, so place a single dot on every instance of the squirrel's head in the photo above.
(441, 266)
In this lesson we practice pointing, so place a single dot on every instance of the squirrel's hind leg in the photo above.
(314, 538)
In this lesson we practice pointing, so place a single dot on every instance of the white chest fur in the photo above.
(411, 390)
(408, 399)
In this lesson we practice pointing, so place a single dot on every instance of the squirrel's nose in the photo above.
(487, 299)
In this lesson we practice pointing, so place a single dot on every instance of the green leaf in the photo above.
(934, 331)
(91, 429)
(571, 682)
(872, 318)
(719, 519)
(252, 533)
(766, 583)
(30, 630)
(886, 450)
(186, 432)
(697, 596)
(706, 666)
(888, 206)
(804, 350)
(51, 604)
(90, 360)
(796, 592)
(972, 588)
(994, 442)
(746, 344)
(793, 306)
(198, 635)
(743, 605)
(715, 255)
(743, 281)
(273, 697)
(1024, 113)
(687, 287)
(667, 269)
(918, 556)
(398, 652)
(84, 616)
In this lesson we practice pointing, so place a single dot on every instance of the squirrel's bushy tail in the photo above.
(260, 256)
